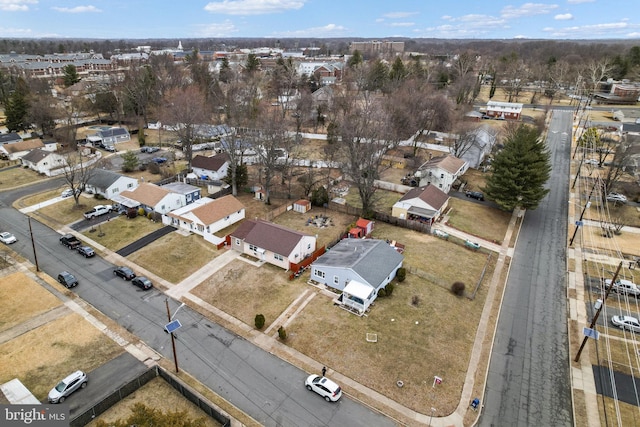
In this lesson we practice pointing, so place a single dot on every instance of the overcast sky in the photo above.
(467, 19)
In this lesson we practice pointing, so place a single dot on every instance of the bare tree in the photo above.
(596, 70)
(363, 125)
(465, 135)
(620, 166)
(185, 109)
(79, 167)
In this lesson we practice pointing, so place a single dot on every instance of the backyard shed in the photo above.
(302, 206)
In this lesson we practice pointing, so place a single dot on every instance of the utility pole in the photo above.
(595, 317)
(33, 245)
(173, 340)
(587, 204)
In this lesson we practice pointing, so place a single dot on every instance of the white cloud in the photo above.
(217, 29)
(253, 7)
(402, 24)
(527, 9)
(16, 5)
(77, 9)
(398, 15)
(329, 30)
(579, 1)
(604, 30)
(15, 32)
(563, 17)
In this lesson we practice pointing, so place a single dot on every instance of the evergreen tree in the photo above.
(70, 76)
(17, 107)
(355, 60)
(130, 161)
(242, 176)
(398, 70)
(520, 170)
(253, 64)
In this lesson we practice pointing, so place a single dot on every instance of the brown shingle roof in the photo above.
(147, 194)
(269, 236)
(447, 162)
(210, 163)
(28, 144)
(220, 208)
(430, 194)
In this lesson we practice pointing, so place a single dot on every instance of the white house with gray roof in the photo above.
(359, 268)
(109, 184)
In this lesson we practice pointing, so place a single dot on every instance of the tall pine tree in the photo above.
(520, 171)
(17, 107)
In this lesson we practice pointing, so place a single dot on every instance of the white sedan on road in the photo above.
(7, 238)
(626, 322)
(324, 387)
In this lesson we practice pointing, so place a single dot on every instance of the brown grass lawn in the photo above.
(15, 177)
(157, 394)
(475, 179)
(443, 261)
(243, 291)
(21, 298)
(174, 257)
(42, 356)
(297, 221)
(383, 199)
(120, 231)
(629, 415)
(482, 221)
(627, 242)
(415, 342)
(66, 211)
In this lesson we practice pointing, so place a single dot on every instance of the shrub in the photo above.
(415, 300)
(259, 321)
(401, 274)
(282, 333)
(382, 292)
(141, 212)
(150, 215)
(458, 288)
(389, 289)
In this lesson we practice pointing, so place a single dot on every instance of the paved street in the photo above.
(528, 382)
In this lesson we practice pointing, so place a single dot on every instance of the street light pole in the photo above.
(595, 317)
(173, 340)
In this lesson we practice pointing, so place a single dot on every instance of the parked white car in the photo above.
(73, 382)
(626, 322)
(7, 238)
(616, 198)
(623, 286)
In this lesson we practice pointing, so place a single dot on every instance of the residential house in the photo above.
(155, 199)
(424, 204)
(272, 243)
(504, 110)
(441, 171)
(16, 150)
(109, 184)
(44, 162)
(109, 136)
(9, 138)
(359, 268)
(206, 216)
(213, 167)
(190, 192)
(484, 139)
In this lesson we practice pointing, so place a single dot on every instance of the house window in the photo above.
(278, 257)
(208, 229)
(309, 246)
(200, 228)
(336, 280)
(318, 273)
(237, 241)
(441, 175)
(226, 218)
(253, 248)
(129, 185)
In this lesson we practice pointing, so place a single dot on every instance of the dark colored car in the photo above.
(149, 149)
(142, 282)
(159, 160)
(124, 272)
(67, 279)
(475, 195)
(85, 251)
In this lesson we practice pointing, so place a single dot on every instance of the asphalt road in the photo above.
(528, 382)
(263, 386)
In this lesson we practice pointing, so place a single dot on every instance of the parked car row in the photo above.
(125, 273)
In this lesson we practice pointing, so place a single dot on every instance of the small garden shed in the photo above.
(302, 206)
